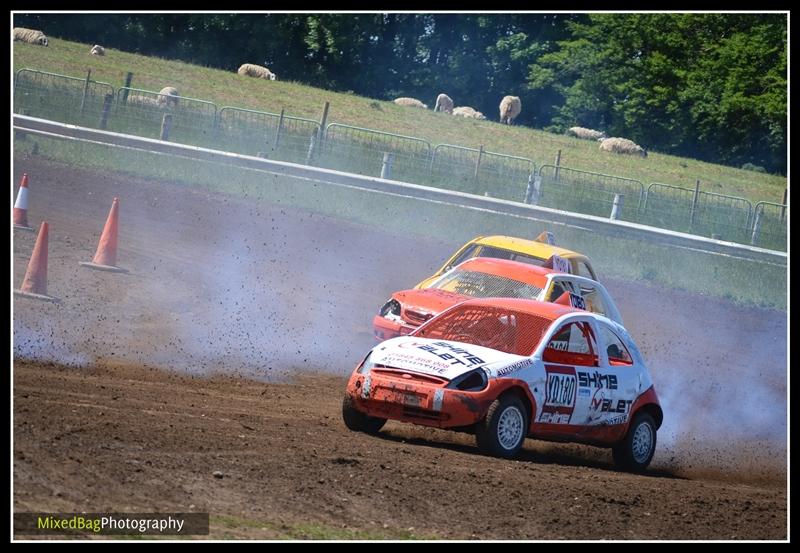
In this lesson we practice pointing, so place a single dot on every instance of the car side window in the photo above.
(617, 352)
(555, 291)
(594, 300)
(585, 271)
(573, 344)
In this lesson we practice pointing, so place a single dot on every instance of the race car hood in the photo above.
(442, 358)
(427, 301)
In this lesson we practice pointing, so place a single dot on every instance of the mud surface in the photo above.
(225, 349)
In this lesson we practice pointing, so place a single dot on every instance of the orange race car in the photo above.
(510, 368)
(482, 277)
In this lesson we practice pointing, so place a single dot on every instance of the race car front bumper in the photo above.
(417, 399)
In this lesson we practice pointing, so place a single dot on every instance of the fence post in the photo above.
(85, 89)
(617, 207)
(433, 160)
(695, 196)
(106, 108)
(166, 126)
(756, 228)
(784, 203)
(19, 134)
(311, 147)
(278, 132)
(323, 122)
(558, 164)
(478, 163)
(534, 189)
(128, 80)
(386, 168)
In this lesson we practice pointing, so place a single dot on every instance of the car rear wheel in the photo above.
(636, 451)
(358, 421)
(502, 432)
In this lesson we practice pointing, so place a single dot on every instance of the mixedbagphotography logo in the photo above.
(111, 524)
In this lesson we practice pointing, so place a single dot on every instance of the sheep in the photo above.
(97, 50)
(510, 107)
(622, 146)
(466, 111)
(586, 134)
(257, 71)
(444, 103)
(168, 97)
(143, 101)
(30, 36)
(412, 102)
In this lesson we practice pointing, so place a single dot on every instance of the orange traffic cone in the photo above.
(21, 206)
(105, 259)
(35, 283)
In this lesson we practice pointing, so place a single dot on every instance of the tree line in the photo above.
(708, 86)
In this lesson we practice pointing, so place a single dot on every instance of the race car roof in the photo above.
(515, 270)
(530, 247)
(547, 310)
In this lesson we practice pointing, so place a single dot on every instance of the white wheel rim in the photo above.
(642, 442)
(509, 428)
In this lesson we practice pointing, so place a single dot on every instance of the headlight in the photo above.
(391, 310)
(472, 381)
(366, 365)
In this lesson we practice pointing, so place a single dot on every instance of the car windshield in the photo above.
(506, 330)
(499, 253)
(484, 285)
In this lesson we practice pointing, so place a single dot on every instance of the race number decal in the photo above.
(560, 264)
(577, 301)
(560, 389)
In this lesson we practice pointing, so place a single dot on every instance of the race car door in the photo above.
(616, 385)
(571, 350)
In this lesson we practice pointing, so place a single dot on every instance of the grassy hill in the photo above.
(227, 88)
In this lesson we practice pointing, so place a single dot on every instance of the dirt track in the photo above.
(261, 293)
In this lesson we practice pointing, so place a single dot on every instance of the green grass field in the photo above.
(227, 88)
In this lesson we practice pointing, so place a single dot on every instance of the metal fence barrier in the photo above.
(88, 103)
(359, 150)
(480, 172)
(264, 134)
(142, 112)
(588, 192)
(73, 100)
(697, 212)
(769, 226)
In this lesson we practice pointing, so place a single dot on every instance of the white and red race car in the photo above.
(507, 369)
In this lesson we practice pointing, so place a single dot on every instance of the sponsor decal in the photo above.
(454, 354)
(410, 361)
(560, 345)
(597, 380)
(514, 367)
(561, 386)
(577, 301)
(619, 419)
(560, 264)
(601, 404)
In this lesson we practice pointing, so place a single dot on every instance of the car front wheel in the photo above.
(358, 421)
(502, 432)
(635, 452)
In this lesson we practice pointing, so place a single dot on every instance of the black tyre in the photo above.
(502, 432)
(358, 421)
(635, 452)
